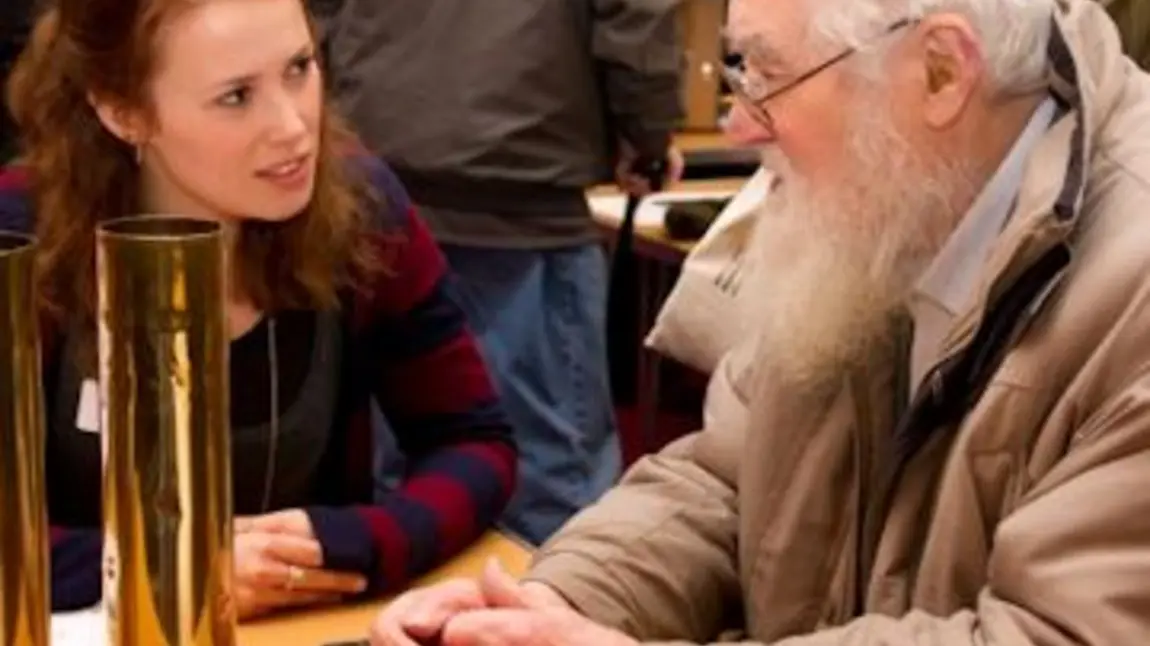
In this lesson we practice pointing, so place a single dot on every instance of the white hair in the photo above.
(1014, 33)
(832, 262)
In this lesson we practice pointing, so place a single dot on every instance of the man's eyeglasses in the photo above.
(754, 90)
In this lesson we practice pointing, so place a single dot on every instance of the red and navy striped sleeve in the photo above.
(431, 383)
(15, 203)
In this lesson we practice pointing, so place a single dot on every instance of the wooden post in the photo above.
(701, 28)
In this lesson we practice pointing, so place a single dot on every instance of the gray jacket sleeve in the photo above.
(636, 42)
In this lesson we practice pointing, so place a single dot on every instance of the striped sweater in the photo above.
(409, 349)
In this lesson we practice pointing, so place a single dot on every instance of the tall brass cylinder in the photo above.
(24, 599)
(167, 473)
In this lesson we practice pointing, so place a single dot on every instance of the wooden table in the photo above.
(350, 623)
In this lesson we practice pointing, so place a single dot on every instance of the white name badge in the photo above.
(88, 410)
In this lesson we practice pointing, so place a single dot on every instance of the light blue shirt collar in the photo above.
(952, 277)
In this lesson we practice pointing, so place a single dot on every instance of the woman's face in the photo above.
(237, 100)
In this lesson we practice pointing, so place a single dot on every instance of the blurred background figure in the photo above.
(497, 116)
(15, 21)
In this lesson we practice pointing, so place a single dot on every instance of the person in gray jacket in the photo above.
(497, 115)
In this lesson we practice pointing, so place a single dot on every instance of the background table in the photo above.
(350, 623)
(652, 241)
(660, 258)
(710, 155)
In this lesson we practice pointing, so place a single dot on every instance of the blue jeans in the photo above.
(540, 316)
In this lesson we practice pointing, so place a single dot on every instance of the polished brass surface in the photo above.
(24, 529)
(167, 474)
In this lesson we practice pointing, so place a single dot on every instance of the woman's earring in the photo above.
(139, 154)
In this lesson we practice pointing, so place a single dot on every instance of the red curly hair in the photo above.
(81, 174)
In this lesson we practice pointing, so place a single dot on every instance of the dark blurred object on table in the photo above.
(690, 220)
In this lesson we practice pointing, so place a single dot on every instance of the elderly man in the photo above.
(940, 433)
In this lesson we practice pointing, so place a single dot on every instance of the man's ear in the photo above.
(123, 123)
(953, 67)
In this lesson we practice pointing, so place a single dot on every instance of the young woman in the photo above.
(215, 109)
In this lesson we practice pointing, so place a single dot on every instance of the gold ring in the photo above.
(295, 577)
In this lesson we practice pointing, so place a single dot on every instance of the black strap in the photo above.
(623, 291)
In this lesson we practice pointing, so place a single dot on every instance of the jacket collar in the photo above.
(953, 275)
(1086, 71)
(1025, 267)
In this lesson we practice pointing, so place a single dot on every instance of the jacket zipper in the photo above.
(875, 467)
(854, 543)
(1028, 294)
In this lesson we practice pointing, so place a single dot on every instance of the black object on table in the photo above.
(720, 162)
(690, 220)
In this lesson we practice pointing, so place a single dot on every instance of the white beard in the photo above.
(832, 265)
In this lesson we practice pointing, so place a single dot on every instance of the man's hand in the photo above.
(420, 616)
(417, 617)
(634, 184)
(511, 627)
(516, 616)
(274, 571)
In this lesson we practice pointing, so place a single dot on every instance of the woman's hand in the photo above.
(279, 570)
(294, 522)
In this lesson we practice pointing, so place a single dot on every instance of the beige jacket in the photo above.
(1009, 505)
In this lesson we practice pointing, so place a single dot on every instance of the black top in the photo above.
(307, 364)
